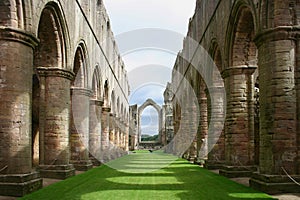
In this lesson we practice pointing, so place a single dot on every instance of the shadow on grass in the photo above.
(180, 180)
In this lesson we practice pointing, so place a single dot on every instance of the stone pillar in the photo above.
(126, 137)
(117, 132)
(95, 131)
(215, 140)
(239, 151)
(202, 131)
(105, 134)
(186, 137)
(80, 129)
(16, 68)
(122, 134)
(54, 123)
(279, 151)
(112, 125)
(193, 126)
(113, 150)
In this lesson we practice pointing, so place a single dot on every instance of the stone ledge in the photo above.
(18, 35)
(82, 165)
(274, 184)
(57, 171)
(19, 178)
(213, 166)
(20, 185)
(237, 171)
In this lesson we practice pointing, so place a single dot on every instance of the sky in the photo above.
(149, 34)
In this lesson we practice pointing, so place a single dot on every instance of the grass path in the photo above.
(136, 180)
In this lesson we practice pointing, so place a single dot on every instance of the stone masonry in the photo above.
(245, 74)
(59, 66)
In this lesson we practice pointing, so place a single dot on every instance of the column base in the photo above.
(82, 165)
(237, 171)
(57, 171)
(213, 165)
(192, 158)
(274, 184)
(19, 185)
(95, 161)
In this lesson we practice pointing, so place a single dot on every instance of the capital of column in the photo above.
(17, 35)
(238, 70)
(81, 91)
(276, 34)
(106, 109)
(55, 72)
(96, 102)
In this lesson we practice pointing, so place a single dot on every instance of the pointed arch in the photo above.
(240, 50)
(106, 94)
(80, 67)
(52, 49)
(96, 83)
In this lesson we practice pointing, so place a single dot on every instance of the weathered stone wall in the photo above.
(61, 78)
(248, 40)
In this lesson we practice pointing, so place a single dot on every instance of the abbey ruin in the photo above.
(233, 103)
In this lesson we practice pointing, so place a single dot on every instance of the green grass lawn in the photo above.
(145, 175)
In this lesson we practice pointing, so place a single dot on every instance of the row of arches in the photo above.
(243, 106)
(65, 101)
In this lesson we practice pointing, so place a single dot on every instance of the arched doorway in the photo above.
(51, 101)
(149, 102)
(239, 83)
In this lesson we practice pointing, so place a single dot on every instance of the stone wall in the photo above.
(244, 46)
(63, 91)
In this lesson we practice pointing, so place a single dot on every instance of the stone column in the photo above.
(112, 128)
(16, 68)
(239, 151)
(279, 151)
(193, 126)
(80, 129)
(117, 132)
(122, 134)
(112, 137)
(105, 134)
(202, 131)
(186, 137)
(126, 137)
(54, 123)
(95, 131)
(215, 139)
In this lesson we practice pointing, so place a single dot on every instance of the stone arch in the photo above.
(12, 13)
(49, 61)
(51, 51)
(80, 101)
(106, 94)
(149, 102)
(241, 31)
(238, 74)
(113, 102)
(118, 107)
(80, 67)
(54, 97)
(216, 55)
(96, 84)
(216, 155)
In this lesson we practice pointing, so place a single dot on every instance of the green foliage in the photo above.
(179, 180)
(149, 138)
